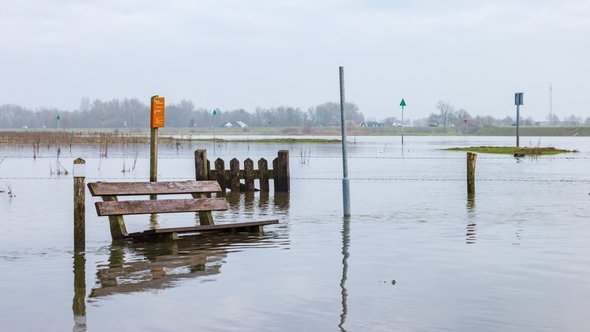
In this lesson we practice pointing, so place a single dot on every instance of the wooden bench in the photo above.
(201, 203)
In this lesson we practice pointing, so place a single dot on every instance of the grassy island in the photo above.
(512, 150)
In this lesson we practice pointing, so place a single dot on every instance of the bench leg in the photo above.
(205, 218)
(116, 223)
(167, 237)
(256, 229)
(118, 229)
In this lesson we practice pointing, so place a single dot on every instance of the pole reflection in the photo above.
(471, 232)
(345, 255)
(79, 300)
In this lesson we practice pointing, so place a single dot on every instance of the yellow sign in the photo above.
(157, 112)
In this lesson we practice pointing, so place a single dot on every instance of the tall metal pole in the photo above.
(345, 183)
(517, 123)
(402, 125)
(518, 100)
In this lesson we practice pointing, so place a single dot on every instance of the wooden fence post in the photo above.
(202, 174)
(234, 175)
(249, 174)
(79, 172)
(471, 157)
(201, 169)
(263, 171)
(281, 169)
(220, 173)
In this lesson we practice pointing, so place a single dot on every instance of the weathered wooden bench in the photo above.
(201, 203)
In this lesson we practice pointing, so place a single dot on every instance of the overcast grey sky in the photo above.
(232, 54)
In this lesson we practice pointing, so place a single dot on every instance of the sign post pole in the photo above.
(157, 109)
(402, 104)
(518, 101)
(345, 182)
(215, 111)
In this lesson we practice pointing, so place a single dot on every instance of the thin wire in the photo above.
(318, 179)
(298, 158)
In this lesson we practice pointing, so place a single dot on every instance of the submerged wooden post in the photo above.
(201, 169)
(471, 157)
(281, 169)
(157, 109)
(234, 175)
(249, 174)
(79, 300)
(263, 170)
(79, 172)
(220, 173)
(202, 174)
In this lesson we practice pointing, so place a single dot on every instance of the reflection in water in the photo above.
(249, 200)
(258, 202)
(154, 221)
(471, 235)
(136, 267)
(518, 233)
(345, 255)
(281, 203)
(79, 300)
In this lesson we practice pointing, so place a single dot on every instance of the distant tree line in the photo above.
(132, 113)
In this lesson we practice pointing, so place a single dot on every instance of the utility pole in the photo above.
(550, 103)
(345, 183)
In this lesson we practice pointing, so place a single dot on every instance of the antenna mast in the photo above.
(551, 103)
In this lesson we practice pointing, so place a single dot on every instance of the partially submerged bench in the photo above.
(201, 203)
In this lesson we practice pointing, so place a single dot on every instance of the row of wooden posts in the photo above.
(230, 178)
(226, 178)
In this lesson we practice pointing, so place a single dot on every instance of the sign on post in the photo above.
(518, 99)
(157, 112)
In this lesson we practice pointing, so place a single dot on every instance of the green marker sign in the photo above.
(58, 118)
(215, 112)
(402, 104)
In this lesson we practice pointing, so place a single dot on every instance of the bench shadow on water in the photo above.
(144, 266)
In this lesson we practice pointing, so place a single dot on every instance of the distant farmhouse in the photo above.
(372, 124)
(238, 124)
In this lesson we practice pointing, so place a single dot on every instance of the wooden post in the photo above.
(79, 300)
(249, 174)
(234, 175)
(281, 170)
(471, 157)
(201, 169)
(79, 172)
(202, 174)
(263, 170)
(153, 157)
(220, 173)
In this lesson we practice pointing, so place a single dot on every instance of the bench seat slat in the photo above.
(152, 188)
(115, 208)
(207, 228)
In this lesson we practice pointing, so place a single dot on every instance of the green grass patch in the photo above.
(511, 150)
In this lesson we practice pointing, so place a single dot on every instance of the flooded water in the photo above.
(416, 255)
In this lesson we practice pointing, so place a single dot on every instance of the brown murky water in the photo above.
(416, 255)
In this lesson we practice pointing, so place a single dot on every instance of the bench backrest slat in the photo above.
(152, 188)
(160, 206)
